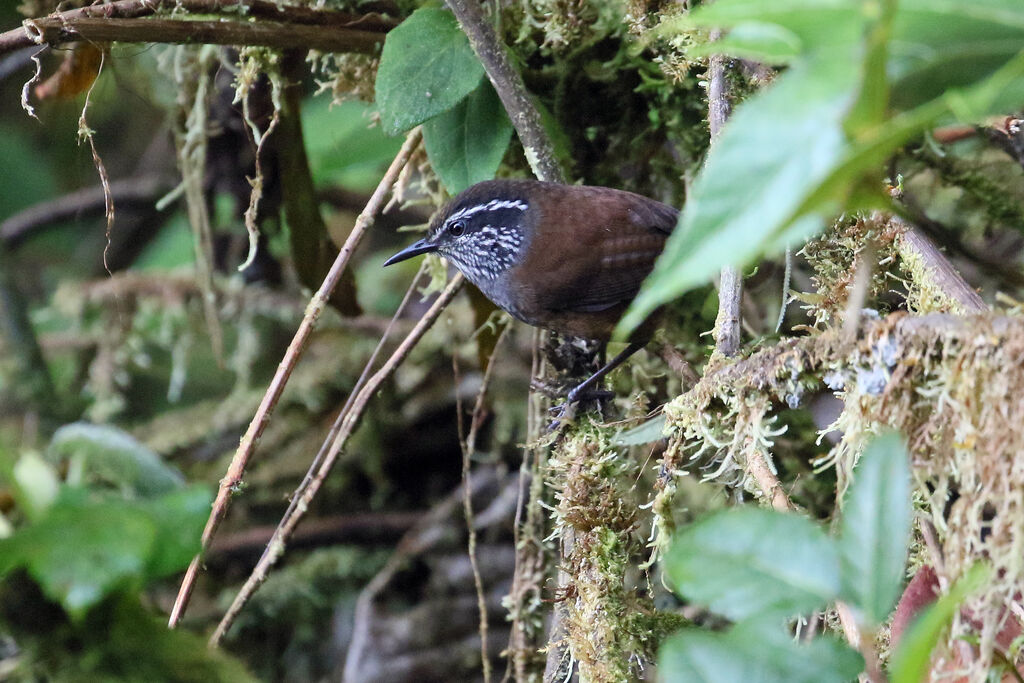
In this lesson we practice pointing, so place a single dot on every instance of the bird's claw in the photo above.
(565, 413)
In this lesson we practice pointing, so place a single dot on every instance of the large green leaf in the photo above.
(86, 547)
(426, 67)
(911, 659)
(755, 652)
(81, 550)
(466, 143)
(748, 561)
(948, 44)
(814, 144)
(777, 147)
(875, 530)
(775, 31)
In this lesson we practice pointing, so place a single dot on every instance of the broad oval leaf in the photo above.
(746, 562)
(466, 143)
(875, 529)
(776, 149)
(426, 67)
(754, 653)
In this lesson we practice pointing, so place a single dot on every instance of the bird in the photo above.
(567, 258)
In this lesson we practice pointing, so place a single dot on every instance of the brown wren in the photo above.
(566, 258)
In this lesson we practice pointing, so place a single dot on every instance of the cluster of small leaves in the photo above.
(812, 145)
(758, 568)
(429, 75)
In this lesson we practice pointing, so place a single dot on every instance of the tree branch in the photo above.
(88, 202)
(247, 445)
(283, 26)
(306, 494)
(508, 82)
(943, 276)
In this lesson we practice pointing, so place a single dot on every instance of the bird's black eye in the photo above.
(457, 228)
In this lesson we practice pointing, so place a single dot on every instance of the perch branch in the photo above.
(53, 32)
(306, 494)
(333, 31)
(247, 445)
(540, 153)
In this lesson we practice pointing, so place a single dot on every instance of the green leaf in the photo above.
(81, 550)
(910, 661)
(875, 530)
(36, 484)
(646, 432)
(776, 149)
(873, 100)
(815, 24)
(105, 453)
(747, 561)
(946, 44)
(755, 652)
(343, 148)
(426, 67)
(179, 517)
(86, 547)
(466, 143)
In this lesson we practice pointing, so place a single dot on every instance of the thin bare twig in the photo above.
(276, 547)
(333, 31)
(858, 291)
(247, 445)
(730, 288)
(468, 445)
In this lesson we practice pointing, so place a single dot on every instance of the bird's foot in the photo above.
(565, 413)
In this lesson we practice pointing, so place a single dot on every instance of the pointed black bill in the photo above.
(414, 249)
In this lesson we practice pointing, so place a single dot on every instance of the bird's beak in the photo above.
(414, 249)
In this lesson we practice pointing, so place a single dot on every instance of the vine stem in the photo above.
(540, 153)
(468, 445)
(233, 478)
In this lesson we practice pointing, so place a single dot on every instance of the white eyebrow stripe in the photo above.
(493, 205)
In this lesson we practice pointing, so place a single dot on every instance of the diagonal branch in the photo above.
(247, 445)
(508, 82)
(730, 286)
(311, 486)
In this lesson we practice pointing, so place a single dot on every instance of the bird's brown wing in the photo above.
(618, 254)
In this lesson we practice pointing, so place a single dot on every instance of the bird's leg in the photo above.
(585, 390)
